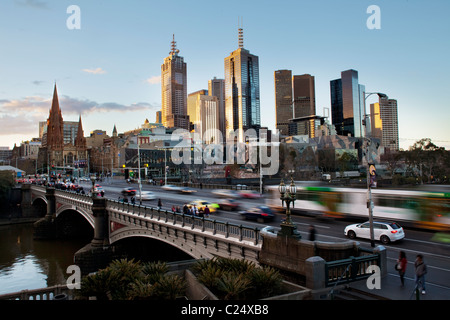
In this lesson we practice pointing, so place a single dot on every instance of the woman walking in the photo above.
(401, 266)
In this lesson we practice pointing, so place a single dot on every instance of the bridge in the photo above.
(198, 237)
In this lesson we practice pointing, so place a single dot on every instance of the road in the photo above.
(436, 254)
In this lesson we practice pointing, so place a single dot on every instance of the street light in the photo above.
(367, 142)
(288, 195)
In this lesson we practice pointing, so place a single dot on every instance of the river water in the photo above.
(26, 263)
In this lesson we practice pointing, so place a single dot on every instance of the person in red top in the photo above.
(401, 266)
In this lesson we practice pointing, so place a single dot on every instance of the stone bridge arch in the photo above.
(87, 215)
(172, 239)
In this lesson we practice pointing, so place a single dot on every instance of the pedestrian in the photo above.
(102, 193)
(312, 233)
(401, 266)
(133, 200)
(421, 271)
(185, 209)
(178, 209)
(207, 211)
(195, 210)
(173, 208)
(159, 203)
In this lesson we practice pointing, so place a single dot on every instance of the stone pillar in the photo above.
(45, 228)
(98, 253)
(101, 221)
(383, 259)
(315, 273)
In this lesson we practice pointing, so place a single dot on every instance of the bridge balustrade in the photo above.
(138, 215)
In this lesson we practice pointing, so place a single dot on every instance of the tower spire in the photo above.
(240, 33)
(174, 46)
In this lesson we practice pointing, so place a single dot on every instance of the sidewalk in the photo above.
(391, 289)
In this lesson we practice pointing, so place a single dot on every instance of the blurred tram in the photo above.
(424, 209)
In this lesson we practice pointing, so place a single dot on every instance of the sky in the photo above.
(108, 70)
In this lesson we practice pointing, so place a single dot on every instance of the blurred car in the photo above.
(187, 190)
(259, 213)
(229, 204)
(384, 231)
(146, 195)
(227, 193)
(201, 205)
(249, 194)
(171, 187)
(129, 192)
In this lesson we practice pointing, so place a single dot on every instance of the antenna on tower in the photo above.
(174, 46)
(241, 33)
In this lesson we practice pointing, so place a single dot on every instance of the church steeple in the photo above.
(80, 141)
(55, 125)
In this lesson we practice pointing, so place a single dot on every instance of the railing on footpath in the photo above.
(351, 269)
(143, 215)
(58, 292)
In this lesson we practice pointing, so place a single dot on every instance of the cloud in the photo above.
(154, 80)
(23, 116)
(94, 71)
(33, 3)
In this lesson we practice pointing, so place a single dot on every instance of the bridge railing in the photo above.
(49, 293)
(351, 269)
(138, 215)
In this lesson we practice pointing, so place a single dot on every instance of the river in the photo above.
(26, 263)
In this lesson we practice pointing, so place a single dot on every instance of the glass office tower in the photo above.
(348, 104)
(242, 105)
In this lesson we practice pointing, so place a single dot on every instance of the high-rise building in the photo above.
(304, 97)
(174, 90)
(158, 117)
(203, 112)
(348, 104)
(216, 88)
(384, 122)
(242, 105)
(283, 100)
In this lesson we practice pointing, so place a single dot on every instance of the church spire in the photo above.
(55, 125)
(80, 141)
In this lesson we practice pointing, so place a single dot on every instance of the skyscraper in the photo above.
(303, 93)
(283, 100)
(242, 105)
(174, 90)
(216, 88)
(348, 104)
(384, 122)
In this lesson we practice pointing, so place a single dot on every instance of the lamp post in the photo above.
(367, 143)
(139, 172)
(288, 195)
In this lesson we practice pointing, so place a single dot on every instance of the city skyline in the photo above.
(108, 71)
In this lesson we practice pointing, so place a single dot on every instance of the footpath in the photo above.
(391, 289)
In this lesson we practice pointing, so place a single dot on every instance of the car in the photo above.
(259, 213)
(146, 195)
(129, 192)
(170, 187)
(187, 190)
(201, 204)
(383, 231)
(249, 194)
(227, 193)
(229, 204)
